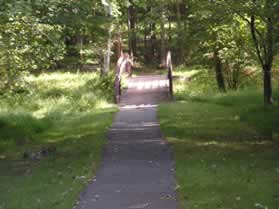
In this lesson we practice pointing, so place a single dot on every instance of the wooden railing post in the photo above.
(170, 70)
(117, 83)
(117, 87)
(122, 65)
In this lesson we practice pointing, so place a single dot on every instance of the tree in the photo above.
(132, 29)
(107, 55)
(261, 16)
(264, 44)
(163, 52)
(26, 43)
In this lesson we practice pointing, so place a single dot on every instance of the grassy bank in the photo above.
(51, 139)
(225, 156)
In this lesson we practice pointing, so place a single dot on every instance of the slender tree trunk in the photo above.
(218, 71)
(81, 52)
(267, 85)
(235, 79)
(269, 60)
(170, 30)
(153, 41)
(264, 48)
(132, 30)
(163, 41)
(118, 46)
(148, 55)
(180, 54)
(146, 48)
(107, 55)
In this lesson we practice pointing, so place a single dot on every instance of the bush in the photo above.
(104, 84)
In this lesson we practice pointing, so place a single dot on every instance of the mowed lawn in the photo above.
(51, 139)
(225, 156)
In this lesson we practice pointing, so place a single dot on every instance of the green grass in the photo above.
(68, 111)
(225, 157)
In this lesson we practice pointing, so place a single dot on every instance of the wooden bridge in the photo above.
(151, 88)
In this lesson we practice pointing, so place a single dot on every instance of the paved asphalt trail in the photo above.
(137, 171)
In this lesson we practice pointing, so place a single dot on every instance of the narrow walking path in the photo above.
(137, 170)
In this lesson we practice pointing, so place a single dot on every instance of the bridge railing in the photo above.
(117, 83)
(119, 70)
(170, 73)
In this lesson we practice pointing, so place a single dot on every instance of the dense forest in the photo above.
(58, 69)
(227, 36)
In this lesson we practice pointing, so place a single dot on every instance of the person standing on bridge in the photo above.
(125, 64)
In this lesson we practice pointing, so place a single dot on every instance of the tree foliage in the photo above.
(38, 34)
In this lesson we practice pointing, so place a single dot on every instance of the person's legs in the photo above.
(129, 69)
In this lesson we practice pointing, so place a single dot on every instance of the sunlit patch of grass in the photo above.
(68, 111)
(187, 72)
(193, 82)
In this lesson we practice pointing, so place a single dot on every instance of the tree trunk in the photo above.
(219, 73)
(180, 53)
(269, 58)
(132, 30)
(118, 46)
(107, 55)
(264, 48)
(146, 48)
(170, 30)
(267, 85)
(153, 42)
(163, 41)
(81, 52)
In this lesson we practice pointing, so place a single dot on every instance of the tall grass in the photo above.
(68, 112)
(51, 99)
